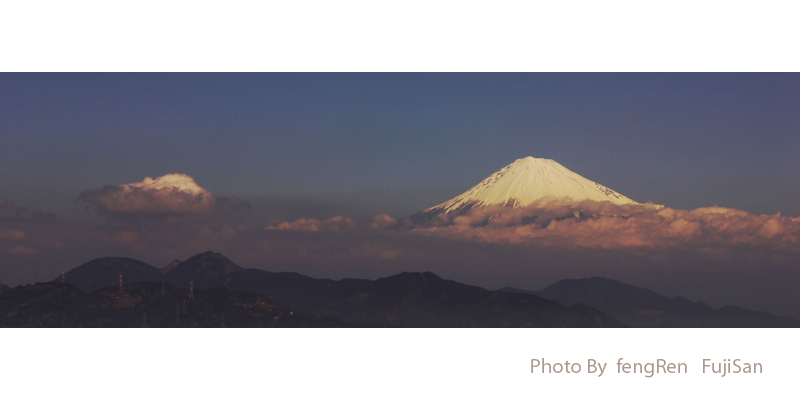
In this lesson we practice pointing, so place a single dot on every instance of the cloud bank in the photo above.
(587, 224)
(338, 223)
(605, 225)
(677, 252)
(168, 194)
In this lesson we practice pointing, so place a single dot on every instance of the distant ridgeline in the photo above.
(147, 304)
(640, 307)
(91, 295)
(209, 290)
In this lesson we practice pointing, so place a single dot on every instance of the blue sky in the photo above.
(402, 142)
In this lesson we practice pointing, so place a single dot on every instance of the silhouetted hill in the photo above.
(38, 305)
(646, 308)
(207, 269)
(409, 299)
(103, 272)
(406, 300)
(426, 300)
(148, 304)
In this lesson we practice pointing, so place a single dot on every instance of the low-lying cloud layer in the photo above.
(715, 254)
(605, 225)
(168, 194)
(338, 223)
(590, 225)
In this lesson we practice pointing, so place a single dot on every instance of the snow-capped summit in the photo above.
(524, 182)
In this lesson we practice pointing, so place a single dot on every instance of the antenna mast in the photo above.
(63, 276)
(191, 289)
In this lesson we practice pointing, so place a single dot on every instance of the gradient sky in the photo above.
(311, 151)
(360, 144)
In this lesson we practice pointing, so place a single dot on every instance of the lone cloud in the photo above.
(168, 194)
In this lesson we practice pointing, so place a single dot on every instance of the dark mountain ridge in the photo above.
(641, 307)
(102, 272)
(424, 299)
(406, 300)
(148, 304)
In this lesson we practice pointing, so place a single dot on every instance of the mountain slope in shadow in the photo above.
(147, 304)
(641, 307)
(404, 300)
(102, 272)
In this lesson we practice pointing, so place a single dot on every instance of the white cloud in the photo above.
(168, 194)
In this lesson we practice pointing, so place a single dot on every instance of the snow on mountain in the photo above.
(526, 181)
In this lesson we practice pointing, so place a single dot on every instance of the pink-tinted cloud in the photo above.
(382, 221)
(338, 223)
(604, 225)
(168, 194)
(685, 252)
(335, 224)
(22, 250)
(12, 234)
(379, 250)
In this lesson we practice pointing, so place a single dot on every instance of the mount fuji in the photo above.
(524, 182)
